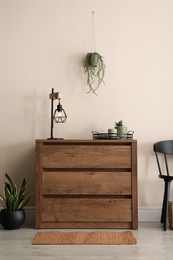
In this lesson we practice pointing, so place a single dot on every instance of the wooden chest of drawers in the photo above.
(86, 184)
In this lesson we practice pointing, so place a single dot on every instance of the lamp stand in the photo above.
(52, 123)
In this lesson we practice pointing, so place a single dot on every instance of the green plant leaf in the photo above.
(9, 180)
(14, 198)
(24, 201)
(7, 190)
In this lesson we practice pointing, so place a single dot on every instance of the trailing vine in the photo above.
(95, 71)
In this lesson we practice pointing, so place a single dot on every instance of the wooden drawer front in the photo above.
(86, 209)
(83, 183)
(83, 156)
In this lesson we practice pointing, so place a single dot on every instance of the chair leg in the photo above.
(164, 216)
(163, 206)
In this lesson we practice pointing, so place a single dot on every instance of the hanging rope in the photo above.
(93, 31)
(94, 66)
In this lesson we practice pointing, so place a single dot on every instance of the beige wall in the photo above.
(42, 45)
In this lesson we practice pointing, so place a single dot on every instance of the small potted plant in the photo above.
(12, 216)
(121, 129)
(95, 70)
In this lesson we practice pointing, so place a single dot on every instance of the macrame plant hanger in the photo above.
(94, 65)
(93, 32)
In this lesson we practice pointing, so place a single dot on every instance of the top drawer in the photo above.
(85, 156)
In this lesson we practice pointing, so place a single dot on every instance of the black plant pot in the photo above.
(12, 219)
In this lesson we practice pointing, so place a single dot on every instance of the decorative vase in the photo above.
(112, 133)
(12, 219)
(121, 131)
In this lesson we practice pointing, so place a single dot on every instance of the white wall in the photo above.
(43, 44)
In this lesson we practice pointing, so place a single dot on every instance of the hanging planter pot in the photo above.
(93, 59)
(95, 70)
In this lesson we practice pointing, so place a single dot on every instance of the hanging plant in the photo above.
(95, 70)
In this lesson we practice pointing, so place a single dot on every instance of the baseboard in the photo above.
(149, 214)
(144, 214)
(30, 214)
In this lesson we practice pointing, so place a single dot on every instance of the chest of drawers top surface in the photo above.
(85, 141)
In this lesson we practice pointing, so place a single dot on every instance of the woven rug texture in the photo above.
(79, 238)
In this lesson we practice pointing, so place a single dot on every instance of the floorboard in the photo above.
(152, 243)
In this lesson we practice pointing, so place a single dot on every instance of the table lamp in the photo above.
(57, 116)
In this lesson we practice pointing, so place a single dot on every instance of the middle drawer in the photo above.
(86, 183)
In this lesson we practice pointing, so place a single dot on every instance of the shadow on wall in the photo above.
(19, 163)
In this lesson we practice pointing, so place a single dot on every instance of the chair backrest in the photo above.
(163, 147)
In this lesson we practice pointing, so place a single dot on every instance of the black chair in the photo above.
(164, 149)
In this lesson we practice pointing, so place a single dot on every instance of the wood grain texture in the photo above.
(86, 184)
(86, 209)
(86, 156)
(152, 244)
(134, 187)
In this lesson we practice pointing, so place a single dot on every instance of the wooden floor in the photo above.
(152, 243)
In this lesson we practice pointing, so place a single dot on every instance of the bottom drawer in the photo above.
(86, 210)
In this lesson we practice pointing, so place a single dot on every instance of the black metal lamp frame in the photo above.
(53, 96)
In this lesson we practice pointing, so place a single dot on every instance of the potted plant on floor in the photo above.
(12, 216)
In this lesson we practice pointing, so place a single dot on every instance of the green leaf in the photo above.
(14, 198)
(24, 202)
(12, 186)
